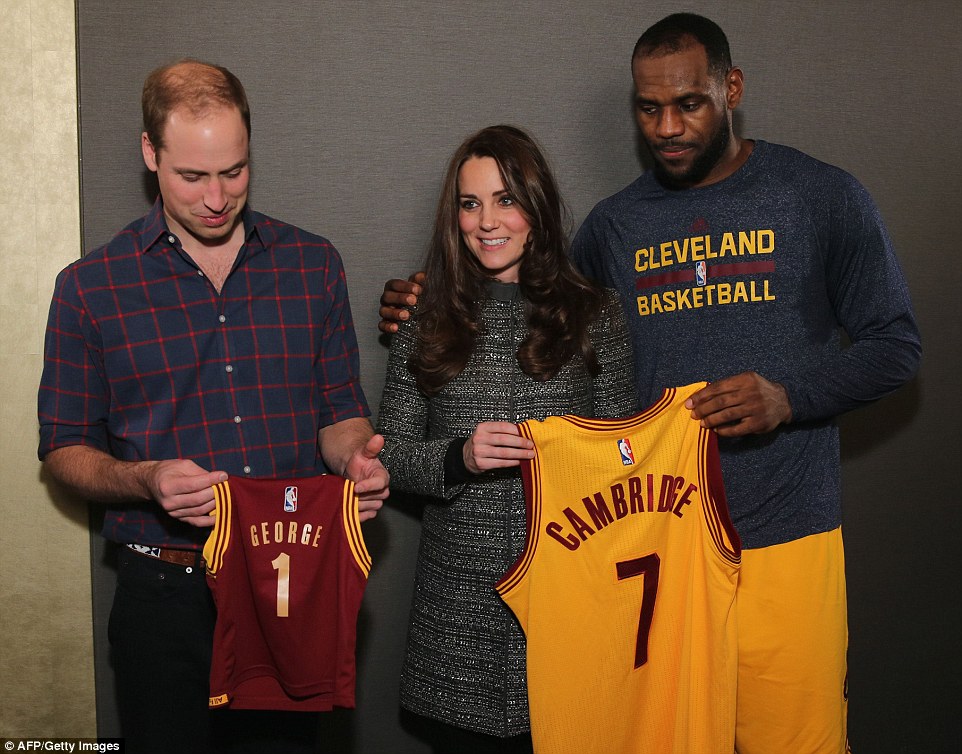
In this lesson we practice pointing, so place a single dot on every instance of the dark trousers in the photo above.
(161, 632)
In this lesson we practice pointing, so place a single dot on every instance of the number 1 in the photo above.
(282, 564)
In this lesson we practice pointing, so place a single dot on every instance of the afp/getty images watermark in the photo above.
(70, 745)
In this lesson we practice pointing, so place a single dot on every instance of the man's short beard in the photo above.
(702, 165)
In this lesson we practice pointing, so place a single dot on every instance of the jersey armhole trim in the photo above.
(530, 474)
(219, 538)
(715, 503)
(351, 520)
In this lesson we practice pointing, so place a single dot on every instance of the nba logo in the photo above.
(624, 448)
(290, 499)
(700, 273)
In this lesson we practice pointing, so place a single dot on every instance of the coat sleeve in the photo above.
(415, 461)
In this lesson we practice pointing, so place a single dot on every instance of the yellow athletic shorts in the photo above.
(792, 643)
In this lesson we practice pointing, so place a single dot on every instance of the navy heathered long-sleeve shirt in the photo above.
(761, 272)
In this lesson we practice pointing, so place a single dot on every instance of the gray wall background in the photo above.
(356, 108)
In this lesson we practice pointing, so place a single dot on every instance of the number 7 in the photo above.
(648, 566)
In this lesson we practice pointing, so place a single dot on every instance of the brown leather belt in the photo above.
(187, 558)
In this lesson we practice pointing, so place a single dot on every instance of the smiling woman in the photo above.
(492, 226)
(507, 331)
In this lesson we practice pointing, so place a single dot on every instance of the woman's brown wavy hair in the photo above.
(560, 303)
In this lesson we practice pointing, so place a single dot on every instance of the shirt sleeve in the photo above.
(338, 364)
(614, 385)
(871, 302)
(587, 249)
(73, 399)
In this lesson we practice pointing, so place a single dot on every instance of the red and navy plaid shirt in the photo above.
(146, 361)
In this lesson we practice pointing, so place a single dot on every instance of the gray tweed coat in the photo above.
(465, 658)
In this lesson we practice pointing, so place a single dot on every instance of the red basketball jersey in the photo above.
(287, 566)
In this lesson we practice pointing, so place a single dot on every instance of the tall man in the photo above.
(737, 261)
(205, 339)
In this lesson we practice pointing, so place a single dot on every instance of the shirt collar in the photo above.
(503, 291)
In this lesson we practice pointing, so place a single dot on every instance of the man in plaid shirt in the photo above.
(205, 339)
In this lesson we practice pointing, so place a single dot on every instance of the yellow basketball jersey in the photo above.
(626, 585)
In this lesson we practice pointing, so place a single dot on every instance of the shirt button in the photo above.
(237, 420)
(229, 368)
(172, 239)
(247, 469)
(200, 272)
(222, 318)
